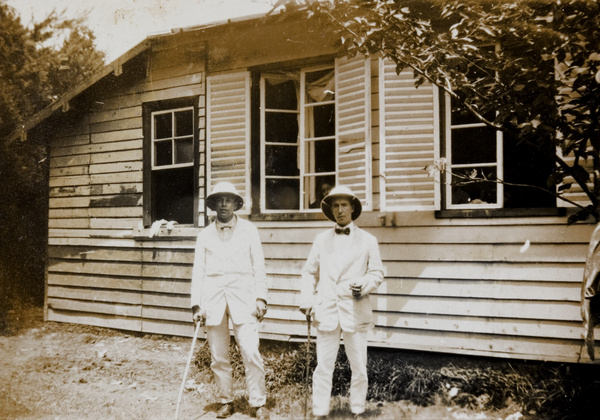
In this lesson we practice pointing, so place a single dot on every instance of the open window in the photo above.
(298, 138)
(486, 169)
(170, 161)
(287, 133)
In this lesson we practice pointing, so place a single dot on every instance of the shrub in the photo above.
(547, 390)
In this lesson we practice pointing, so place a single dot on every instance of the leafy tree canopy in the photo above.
(38, 63)
(530, 68)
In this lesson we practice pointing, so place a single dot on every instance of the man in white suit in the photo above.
(344, 266)
(229, 283)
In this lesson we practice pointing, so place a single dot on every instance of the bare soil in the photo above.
(68, 371)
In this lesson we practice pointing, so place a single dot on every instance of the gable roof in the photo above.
(116, 68)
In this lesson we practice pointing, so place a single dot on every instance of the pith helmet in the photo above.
(340, 191)
(224, 188)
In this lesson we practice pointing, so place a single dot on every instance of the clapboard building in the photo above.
(270, 104)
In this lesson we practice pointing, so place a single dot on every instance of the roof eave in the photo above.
(62, 103)
(116, 67)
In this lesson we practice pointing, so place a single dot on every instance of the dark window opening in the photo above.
(175, 187)
(170, 161)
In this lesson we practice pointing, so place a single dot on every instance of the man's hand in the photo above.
(356, 289)
(306, 309)
(261, 309)
(197, 315)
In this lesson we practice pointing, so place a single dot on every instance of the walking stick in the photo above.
(306, 376)
(187, 367)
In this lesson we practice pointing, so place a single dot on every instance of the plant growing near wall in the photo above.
(526, 67)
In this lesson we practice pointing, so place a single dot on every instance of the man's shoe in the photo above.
(225, 411)
(261, 413)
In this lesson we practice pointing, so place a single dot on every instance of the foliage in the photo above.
(542, 390)
(529, 68)
(38, 63)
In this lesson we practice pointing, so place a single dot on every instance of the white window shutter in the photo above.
(408, 141)
(228, 132)
(353, 95)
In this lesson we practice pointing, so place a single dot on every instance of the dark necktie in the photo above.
(344, 231)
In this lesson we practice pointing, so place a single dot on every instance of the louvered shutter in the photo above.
(407, 140)
(228, 132)
(353, 83)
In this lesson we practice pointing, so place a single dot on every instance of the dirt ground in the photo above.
(67, 371)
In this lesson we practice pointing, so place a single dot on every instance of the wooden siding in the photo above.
(494, 288)
(101, 269)
(468, 288)
(506, 287)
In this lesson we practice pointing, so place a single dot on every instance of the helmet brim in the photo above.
(328, 212)
(211, 200)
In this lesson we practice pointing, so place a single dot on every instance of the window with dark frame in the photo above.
(486, 169)
(170, 162)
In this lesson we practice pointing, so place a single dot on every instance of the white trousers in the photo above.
(328, 344)
(247, 340)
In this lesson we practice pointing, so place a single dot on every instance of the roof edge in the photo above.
(63, 102)
(210, 25)
(116, 67)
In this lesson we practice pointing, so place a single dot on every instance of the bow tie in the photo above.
(228, 226)
(342, 231)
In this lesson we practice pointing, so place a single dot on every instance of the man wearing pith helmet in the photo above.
(344, 266)
(229, 283)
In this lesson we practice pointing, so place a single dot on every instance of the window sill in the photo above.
(178, 233)
(278, 217)
(498, 213)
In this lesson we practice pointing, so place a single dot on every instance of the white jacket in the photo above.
(229, 274)
(328, 273)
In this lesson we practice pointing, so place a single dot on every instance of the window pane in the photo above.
(173, 195)
(316, 188)
(184, 123)
(320, 121)
(319, 156)
(184, 150)
(163, 126)
(473, 145)
(320, 86)
(281, 127)
(474, 186)
(283, 194)
(526, 164)
(466, 117)
(281, 92)
(281, 160)
(163, 153)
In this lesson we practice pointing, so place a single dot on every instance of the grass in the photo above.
(537, 390)
(540, 390)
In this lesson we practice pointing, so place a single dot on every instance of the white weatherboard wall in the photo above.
(467, 286)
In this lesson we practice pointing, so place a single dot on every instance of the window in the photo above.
(170, 163)
(487, 170)
(298, 138)
(286, 133)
